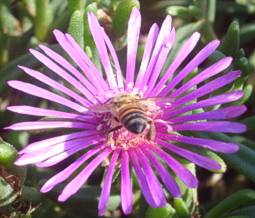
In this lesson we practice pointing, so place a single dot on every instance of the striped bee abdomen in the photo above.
(133, 119)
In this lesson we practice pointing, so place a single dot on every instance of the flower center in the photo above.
(129, 121)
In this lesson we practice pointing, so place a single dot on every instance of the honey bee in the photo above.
(132, 112)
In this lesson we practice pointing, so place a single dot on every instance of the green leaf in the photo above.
(184, 12)
(121, 15)
(76, 27)
(76, 5)
(250, 123)
(9, 25)
(181, 208)
(166, 212)
(231, 42)
(7, 154)
(236, 200)
(211, 10)
(245, 212)
(87, 197)
(247, 33)
(43, 19)
(7, 194)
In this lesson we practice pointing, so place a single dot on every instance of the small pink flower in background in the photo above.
(131, 117)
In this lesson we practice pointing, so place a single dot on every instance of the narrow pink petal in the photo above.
(37, 146)
(41, 112)
(150, 41)
(141, 179)
(120, 79)
(56, 85)
(65, 64)
(162, 36)
(45, 94)
(195, 158)
(126, 184)
(77, 144)
(220, 114)
(202, 55)
(134, 25)
(212, 70)
(62, 73)
(92, 72)
(165, 176)
(57, 158)
(105, 193)
(184, 174)
(215, 100)
(153, 183)
(50, 125)
(160, 62)
(209, 87)
(185, 50)
(214, 145)
(73, 186)
(97, 33)
(68, 171)
(211, 126)
(80, 58)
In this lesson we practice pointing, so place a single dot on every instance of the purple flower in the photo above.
(131, 119)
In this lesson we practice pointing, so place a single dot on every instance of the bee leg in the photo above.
(110, 140)
(151, 135)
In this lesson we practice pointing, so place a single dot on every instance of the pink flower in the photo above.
(140, 138)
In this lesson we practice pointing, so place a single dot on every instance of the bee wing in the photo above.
(158, 99)
(101, 108)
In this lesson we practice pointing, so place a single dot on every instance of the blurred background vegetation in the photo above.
(26, 23)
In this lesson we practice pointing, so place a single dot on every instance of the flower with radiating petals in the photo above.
(87, 102)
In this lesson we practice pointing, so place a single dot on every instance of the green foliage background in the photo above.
(27, 23)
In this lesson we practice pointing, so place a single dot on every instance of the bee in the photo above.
(132, 112)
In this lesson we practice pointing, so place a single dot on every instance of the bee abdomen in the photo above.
(135, 122)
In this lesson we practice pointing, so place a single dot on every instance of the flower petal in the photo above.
(96, 32)
(150, 41)
(214, 145)
(77, 144)
(211, 126)
(61, 72)
(184, 174)
(165, 176)
(71, 69)
(58, 86)
(50, 125)
(37, 146)
(185, 50)
(126, 184)
(81, 59)
(105, 193)
(197, 159)
(162, 36)
(134, 25)
(68, 171)
(215, 100)
(141, 179)
(168, 44)
(195, 62)
(153, 183)
(205, 74)
(222, 113)
(73, 186)
(115, 61)
(41, 112)
(209, 87)
(45, 94)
